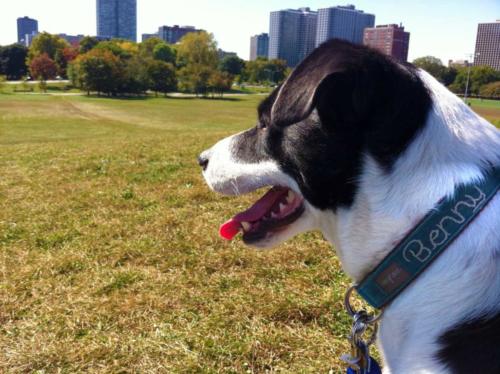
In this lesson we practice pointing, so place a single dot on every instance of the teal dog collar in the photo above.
(427, 241)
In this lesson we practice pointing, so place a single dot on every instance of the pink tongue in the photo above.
(229, 229)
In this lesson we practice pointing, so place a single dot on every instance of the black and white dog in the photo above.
(360, 147)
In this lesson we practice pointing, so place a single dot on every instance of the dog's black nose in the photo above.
(203, 161)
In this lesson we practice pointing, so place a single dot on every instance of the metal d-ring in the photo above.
(347, 304)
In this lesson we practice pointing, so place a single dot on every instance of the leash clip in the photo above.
(359, 360)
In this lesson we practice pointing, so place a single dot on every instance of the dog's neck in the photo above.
(389, 204)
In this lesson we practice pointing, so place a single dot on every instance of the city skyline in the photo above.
(446, 29)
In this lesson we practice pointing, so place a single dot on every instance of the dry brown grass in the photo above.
(111, 261)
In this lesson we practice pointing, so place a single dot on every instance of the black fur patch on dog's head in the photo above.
(341, 102)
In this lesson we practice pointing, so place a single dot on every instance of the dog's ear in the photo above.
(329, 80)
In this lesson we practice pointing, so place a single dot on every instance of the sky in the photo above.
(442, 28)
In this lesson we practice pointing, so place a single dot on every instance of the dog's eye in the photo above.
(262, 126)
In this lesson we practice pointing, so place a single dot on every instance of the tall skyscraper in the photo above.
(343, 22)
(392, 40)
(172, 34)
(292, 34)
(487, 50)
(117, 19)
(26, 26)
(259, 46)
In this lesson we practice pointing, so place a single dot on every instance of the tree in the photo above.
(194, 78)
(163, 52)
(482, 75)
(43, 68)
(220, 82)
(13, 61)
(2, 82)
(87, 43)
(197, 48)
(478, 77)
(135, 79)
(161, 76)
(491, 90)
(97, 70)
(48, 44)
(232, 65)
(63, 58)
(147, 47)
(449, 75)
(263, 70)
(197, 57)
(432, 65)
(119, 48)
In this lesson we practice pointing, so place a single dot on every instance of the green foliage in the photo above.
(46, 43)
(232, 65)
(197, 48)
(161, 76)
(147, 47)
(482, 75)
(164, 52)
(123, 49)
(194, 78)
(98, 70)
(197, 56)
(87, 43)
(220, 82)
(263, 70)
(491, 90)
(478, 77)
(135, 78)
(13, 61)
(2, 83)
(432, 65)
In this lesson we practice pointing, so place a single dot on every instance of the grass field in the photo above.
(111, 261)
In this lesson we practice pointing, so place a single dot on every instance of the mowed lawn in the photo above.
(111, 261)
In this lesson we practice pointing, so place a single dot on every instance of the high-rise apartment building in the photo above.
(259, 46)
(172, 34)
(26, 26)
(392, 40)
(117, 19)
(292, 34)
(343, 22)
(487, 50)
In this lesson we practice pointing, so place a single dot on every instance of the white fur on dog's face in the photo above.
(227, 175)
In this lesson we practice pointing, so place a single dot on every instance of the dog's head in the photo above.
(341, 103)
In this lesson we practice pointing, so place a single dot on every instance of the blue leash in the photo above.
(373, 368)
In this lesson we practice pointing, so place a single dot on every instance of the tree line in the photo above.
(118, 67)
(484, 81)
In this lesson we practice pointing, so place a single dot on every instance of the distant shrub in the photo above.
(491, 90)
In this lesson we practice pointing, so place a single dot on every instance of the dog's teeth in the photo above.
(290, 197)
(282, 207)
(246, 226)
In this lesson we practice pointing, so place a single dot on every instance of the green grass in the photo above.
(52, 87)
(485, 103)
(111, 260)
